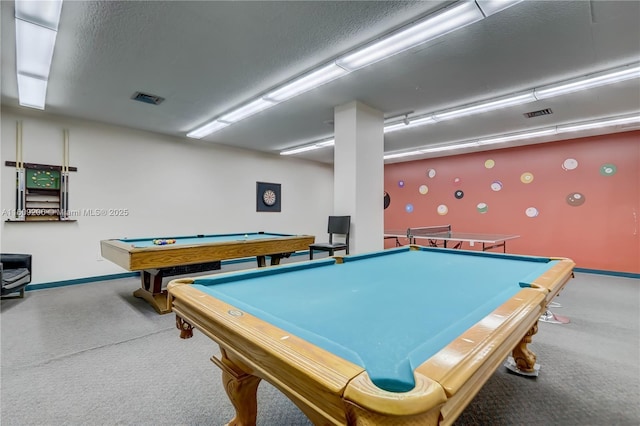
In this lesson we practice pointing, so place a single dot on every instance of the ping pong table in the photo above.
(443, 236)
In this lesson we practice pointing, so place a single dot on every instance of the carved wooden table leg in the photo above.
(525, 359)
(186, 329)
(242, 390)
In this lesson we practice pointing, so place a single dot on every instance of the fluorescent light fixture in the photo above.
(414, 122)
(31, 91)
(394, 127)
(208, 128)
(635, 118)
(299, 150)
(329, 142)
(36, 31)
(34, 49)
(594, 80)
(43, 13)
(476, 108)
(402, 154)
(247, 110)
(306, 83)
(318, 145)
(518, 136)
(429, 28)
(489, 7)
(450, 147)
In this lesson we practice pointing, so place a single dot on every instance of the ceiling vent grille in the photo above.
(146, 98)
(539, 113)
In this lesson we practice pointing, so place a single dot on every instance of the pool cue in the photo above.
(64, 188)
(21, 199)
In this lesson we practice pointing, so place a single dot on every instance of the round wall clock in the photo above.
(269, 197)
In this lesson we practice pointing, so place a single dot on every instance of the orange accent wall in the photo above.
(578, 198)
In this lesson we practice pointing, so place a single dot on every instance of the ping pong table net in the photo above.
(430, 233)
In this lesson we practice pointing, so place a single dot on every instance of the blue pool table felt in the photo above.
(386, 312)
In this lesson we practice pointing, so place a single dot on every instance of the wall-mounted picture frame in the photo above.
(268, 197)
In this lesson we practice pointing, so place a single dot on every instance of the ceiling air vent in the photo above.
(146, 98)
(538, 113)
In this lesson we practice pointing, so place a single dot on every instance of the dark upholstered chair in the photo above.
(15, 271)
(338, 225)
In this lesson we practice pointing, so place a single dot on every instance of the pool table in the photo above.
(402, 336)
(191, 254)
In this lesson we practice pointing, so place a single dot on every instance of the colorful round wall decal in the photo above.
(570, 164)
(423, 189)
(442, 209)
(531, 212)
(431, 173)
(496, 185)
(576, 199)
(458, 194)
(608, 169)
(526, 177)
(489, 164)
(482, 207)
(401, 183)
(408, 208)
(387, 200)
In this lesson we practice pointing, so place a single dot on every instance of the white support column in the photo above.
(359, 173)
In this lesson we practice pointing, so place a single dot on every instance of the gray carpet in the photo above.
(94, 354)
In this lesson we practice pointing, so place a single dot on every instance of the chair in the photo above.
(15, 272)
(338, 225)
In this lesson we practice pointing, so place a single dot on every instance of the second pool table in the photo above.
(401, 336)
(195, 253)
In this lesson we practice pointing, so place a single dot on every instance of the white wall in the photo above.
(170, 187)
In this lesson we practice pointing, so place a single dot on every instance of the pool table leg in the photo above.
(242, 389)
(523, 357)
(275, 259)
(151, 290)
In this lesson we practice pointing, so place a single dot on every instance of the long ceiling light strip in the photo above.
(615, 75)
(433, 26)
(461, 14)
(590, 81)
(486, 106)
(310, 81)
(633, 118)
(36, 31)
(317, 145)
(617, 121)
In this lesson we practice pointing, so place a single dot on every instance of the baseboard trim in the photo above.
(612, 273)
(65, 283)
